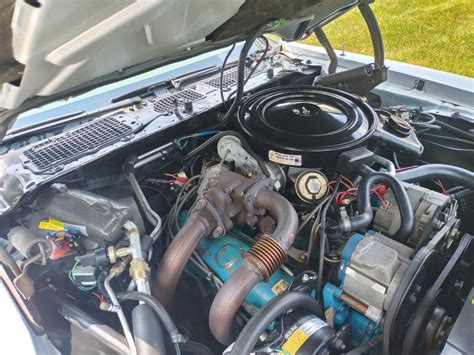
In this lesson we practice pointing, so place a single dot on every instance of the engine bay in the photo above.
(304, 222)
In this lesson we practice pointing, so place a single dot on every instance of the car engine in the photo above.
(308, 225)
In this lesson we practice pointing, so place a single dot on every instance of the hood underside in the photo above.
(52, 49)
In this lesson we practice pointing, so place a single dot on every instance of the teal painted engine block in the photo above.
(224, 256)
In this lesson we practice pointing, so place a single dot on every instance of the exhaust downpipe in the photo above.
(262, 260)
(197, 227)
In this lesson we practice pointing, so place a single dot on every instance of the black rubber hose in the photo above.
(221, 76)
(451, 173)
(375, 33)
(260, 60)
(249, 336)
(322, 240)
(365, 216)
(324, 41)
(363, 71)
(245, 145)
(350, 75)
(147, 331)
(193, 347)
(157, 307)
(241, 75)
(455, 130)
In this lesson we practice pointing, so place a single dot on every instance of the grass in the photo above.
(437, 34)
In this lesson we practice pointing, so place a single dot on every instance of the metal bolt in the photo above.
(313, 186)
(305, 278)
(438, 224)
(218, 232)
(277, 185)
(412, 298)
(200, 204)
(339, 344)
(343, 54)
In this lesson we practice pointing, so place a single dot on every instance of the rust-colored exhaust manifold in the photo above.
(262, 260)
(197, 227)
(230, 199)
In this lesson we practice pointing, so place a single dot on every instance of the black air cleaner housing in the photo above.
(305, 126)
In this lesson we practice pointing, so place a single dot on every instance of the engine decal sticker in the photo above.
(279, 287)
(295, 341)
(54, 225)
(285, 159)
(298, 334)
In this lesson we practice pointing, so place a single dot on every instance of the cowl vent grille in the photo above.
(75, 143)
(170, 102)
(228, 79)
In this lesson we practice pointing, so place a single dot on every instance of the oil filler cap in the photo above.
(305, 126)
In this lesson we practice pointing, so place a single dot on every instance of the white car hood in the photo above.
(65, 43)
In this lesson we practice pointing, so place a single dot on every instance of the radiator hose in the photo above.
(250, 334)
(157, 308)
(451, 173)
(147, 331)
(365, 216)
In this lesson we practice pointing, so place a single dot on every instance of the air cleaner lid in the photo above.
(313, 123)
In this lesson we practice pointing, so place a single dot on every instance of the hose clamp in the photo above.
(345, 220)
(178, 338)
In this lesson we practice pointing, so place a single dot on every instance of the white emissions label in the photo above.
(284, 159)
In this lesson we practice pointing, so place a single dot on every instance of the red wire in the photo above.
(351, 194)
(406, 168)
(441, 186)
(380, 198)
(177, 177)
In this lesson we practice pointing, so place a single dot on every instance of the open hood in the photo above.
(51, 49)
